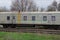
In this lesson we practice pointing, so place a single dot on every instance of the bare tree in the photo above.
(3, 9)
(52, 7)
(23, 5)
(54, 3)
(42, 9)
(59, 7)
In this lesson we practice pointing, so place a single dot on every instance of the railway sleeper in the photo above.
(55, 27)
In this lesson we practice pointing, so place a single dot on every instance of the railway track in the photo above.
(30, 30)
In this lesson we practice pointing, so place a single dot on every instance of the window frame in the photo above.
(44, 18)
(33, 18)
(25, 18)
(8, 17)
(14, 17)
(53, 18)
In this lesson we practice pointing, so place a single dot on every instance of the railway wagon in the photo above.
(35, 19)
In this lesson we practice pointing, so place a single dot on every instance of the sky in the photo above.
(44, 3)
(39, 3)
(5, 3)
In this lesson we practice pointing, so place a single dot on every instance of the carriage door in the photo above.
(51, 19)
(13, 19)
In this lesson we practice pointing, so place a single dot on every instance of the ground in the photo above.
(27, 36)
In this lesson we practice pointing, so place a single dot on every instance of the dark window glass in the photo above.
(13, 17)
(33, 18)
(25, 18)
(44, 18)
(8, 17)
(53, 18)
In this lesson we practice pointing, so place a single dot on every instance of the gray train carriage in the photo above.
(35, 19)
(8, 19)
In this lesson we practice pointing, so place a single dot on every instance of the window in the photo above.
(8, 17)
(25, 18)
(53, 18)
(33, 18)
(13, 17)
(44, 18)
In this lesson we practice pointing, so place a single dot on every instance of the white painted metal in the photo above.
(39, 18)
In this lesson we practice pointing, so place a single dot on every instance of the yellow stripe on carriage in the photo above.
(19, 17)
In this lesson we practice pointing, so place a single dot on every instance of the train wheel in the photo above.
(13, 26)
(58, 28)
(5, 26)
